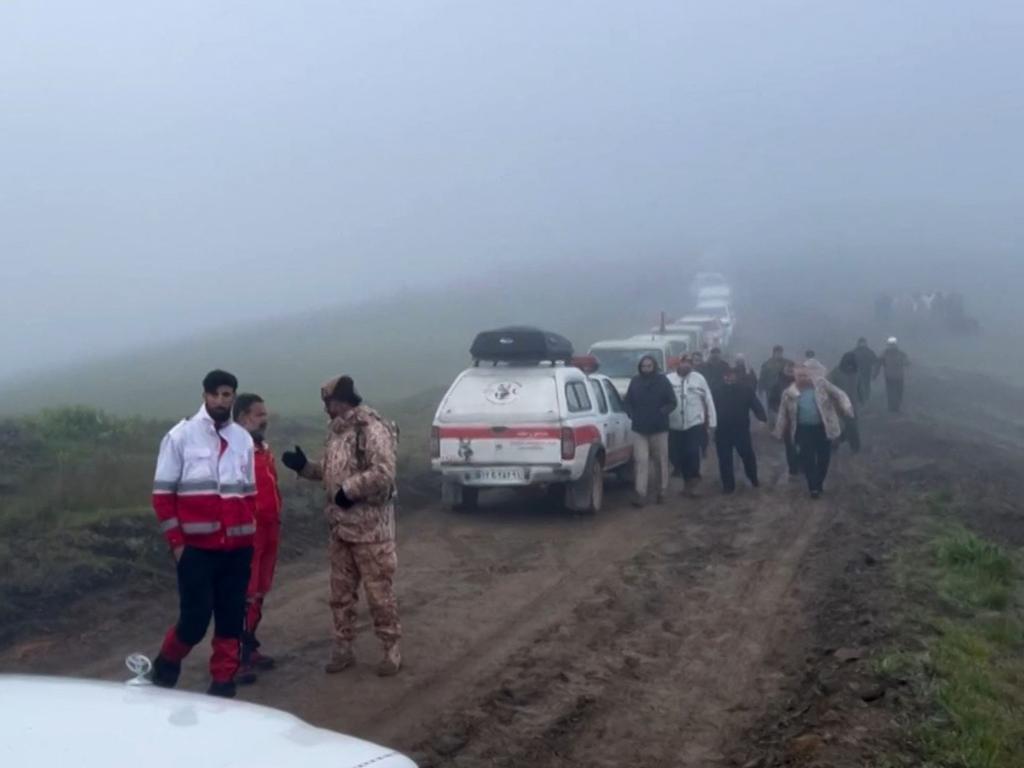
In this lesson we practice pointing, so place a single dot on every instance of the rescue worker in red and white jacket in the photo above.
(251, 414)
(204, 496)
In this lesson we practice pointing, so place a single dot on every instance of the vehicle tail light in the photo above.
(435, 443)
(568, 444)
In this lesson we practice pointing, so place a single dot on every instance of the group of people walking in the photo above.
(810, 409)
(218, 502)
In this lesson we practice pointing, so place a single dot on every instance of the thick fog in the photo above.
(170, 167)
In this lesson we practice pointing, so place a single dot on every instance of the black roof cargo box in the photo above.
(521, 344)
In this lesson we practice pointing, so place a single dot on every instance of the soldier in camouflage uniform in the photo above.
(358, 473)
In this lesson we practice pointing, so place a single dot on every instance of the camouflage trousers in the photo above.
(373, 565)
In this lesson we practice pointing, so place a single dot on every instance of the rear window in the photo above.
(623, 363)
(510, 397)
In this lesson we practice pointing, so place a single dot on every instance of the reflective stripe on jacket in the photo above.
(204, 489)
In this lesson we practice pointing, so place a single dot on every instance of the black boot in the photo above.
(164, 673)
(223, 690)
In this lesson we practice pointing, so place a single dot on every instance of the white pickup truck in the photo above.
(518, 423)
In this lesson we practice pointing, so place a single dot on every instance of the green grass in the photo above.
(971, 672)
(974, 572)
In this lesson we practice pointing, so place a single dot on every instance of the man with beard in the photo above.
(649, 401)
(358, 474)
(251, 414)
(689, 422)
(203, 494)
(734, 402)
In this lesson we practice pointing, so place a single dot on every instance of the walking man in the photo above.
(894, 363)
(203, 494)
(649, 401)
(867, 366)
(358, 475)
(693, 416)
(251, 414)
(810, 415)
(847, 376)
(735, 400)
(771, 369)
(715, 368)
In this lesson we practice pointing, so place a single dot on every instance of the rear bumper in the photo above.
(504, 476)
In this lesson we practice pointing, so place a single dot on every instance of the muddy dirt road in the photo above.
(665, 636)
(639, 637)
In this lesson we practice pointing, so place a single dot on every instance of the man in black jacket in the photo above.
(714, 369)
(734, 401)
(649, 401)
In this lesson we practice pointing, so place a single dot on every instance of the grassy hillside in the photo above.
(394, 349)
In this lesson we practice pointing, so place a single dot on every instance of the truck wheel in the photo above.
(470, 498)
(587, 493)
(459, 497)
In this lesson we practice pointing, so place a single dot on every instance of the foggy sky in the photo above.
(166, 167)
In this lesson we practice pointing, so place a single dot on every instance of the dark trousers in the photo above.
(792, 457)
(894, 393)
(728, 441)
(864, 388)
(211, 584)
(815, 451)
(684, 449)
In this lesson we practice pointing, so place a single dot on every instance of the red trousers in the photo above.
(264, 561)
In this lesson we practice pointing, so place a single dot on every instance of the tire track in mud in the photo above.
(666, 656)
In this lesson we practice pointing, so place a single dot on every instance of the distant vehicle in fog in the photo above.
(721, 309)
(620, 360)
(715, 282)
(714, 332)
(679, 343)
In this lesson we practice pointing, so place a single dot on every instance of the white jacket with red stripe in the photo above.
(204, 491)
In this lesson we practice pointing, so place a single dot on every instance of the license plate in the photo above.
(510, 475)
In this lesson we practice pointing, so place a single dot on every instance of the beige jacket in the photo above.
(359, 456)
(831, 402)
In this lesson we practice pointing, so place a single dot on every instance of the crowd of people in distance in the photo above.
(811, 410)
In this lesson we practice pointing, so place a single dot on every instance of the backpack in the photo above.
(393, 434)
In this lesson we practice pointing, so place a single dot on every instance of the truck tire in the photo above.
(459, 497)
(587, 493)
(470, 498)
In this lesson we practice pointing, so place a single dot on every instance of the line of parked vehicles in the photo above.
(529, 412)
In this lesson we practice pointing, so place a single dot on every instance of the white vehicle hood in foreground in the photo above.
(55, 722)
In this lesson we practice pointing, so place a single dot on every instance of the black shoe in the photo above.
(727, 491)
(164, 673)
(815, 494)
(755, 483)
(222, 690)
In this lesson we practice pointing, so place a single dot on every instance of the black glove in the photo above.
(342, 500)
(295, 460)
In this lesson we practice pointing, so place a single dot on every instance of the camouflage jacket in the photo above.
(359, 456)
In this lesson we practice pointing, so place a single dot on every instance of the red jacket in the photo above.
(268, 495)
(204, 490)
